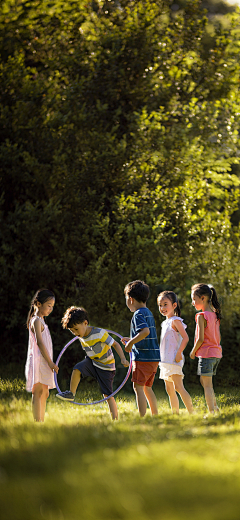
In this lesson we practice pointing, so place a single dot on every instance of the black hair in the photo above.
(170, 295)
(41, 296)
(138, 290)
(73, 316)
(202, 289)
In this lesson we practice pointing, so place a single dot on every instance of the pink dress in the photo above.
(211, 344)
(37, 369)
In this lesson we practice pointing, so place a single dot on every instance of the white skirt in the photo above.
(169, 369)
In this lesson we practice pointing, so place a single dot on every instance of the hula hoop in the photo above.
(105, 398)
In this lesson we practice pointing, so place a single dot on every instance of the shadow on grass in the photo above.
(80, 464)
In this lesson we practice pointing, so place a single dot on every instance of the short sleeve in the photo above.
(176, 318)
(199, 314)
(109, 340)
(103, 336)
(140, 322)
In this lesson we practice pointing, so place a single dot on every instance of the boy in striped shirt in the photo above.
(99, 362)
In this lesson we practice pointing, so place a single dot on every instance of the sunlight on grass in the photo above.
(80, 464)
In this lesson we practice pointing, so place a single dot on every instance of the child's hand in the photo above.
(54, 367)
(192, 355)
(124, 340)
(128, 346)
(125, 362)
(178, 357)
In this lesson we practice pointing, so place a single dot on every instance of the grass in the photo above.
(80, 464)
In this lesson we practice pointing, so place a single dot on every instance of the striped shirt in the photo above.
(97, 345)
(148, 348)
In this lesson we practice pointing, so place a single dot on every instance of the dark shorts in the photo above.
(143, 372)
(208, 366)
(104, 377)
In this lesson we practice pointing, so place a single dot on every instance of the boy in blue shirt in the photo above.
(143, 345)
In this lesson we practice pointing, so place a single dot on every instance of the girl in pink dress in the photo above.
(39, 366)
(207, 338)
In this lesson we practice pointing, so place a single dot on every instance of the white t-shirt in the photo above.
(170, 342)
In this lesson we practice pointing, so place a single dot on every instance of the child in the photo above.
(173, 341)
(143, 345)
(99, 362)
(207, 338)
(39, 366)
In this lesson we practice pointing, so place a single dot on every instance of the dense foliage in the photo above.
(119, 129)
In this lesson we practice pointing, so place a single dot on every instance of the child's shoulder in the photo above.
(169, 322)
(36, 319)
(98, 334)
(96, 331)
(143, 310)
(208, 315)
(177, 319)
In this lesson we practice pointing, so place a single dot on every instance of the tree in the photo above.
(119, 130)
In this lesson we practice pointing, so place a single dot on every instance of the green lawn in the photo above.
(81, 465)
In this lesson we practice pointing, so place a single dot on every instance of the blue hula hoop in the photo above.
(105, 398)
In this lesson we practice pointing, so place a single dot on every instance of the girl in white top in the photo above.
(39, 366)
(173, 341)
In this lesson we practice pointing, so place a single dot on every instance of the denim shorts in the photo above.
(208, 366)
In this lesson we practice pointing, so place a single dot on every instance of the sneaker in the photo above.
(65, 396)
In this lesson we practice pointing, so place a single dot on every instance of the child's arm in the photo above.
(139, 337)
(200, 338)
(177, 325)
(120, 352)
(38, 329)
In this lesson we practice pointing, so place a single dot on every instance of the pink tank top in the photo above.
(211, 344)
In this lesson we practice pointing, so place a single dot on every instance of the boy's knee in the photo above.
(109, 399)
(137, 388)
(147, 388)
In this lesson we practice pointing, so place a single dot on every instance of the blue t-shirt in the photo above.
(147, 349)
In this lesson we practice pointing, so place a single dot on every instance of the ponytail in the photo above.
(215, 303)
(41, 296)
(202, 289)
(30, 315)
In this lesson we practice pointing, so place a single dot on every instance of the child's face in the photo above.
(80, 329)
(197, 301)
(166, 307)
(46, 308)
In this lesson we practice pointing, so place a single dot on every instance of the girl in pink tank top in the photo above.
(39, 366)
(207, 338)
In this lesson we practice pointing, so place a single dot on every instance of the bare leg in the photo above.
(44, 397)
(140, 398)
(151, 399)
(112, 407)
(173, 398)
(206, 382)
(216, 409)
(75, 380)
(40, 394)
(186, 398)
